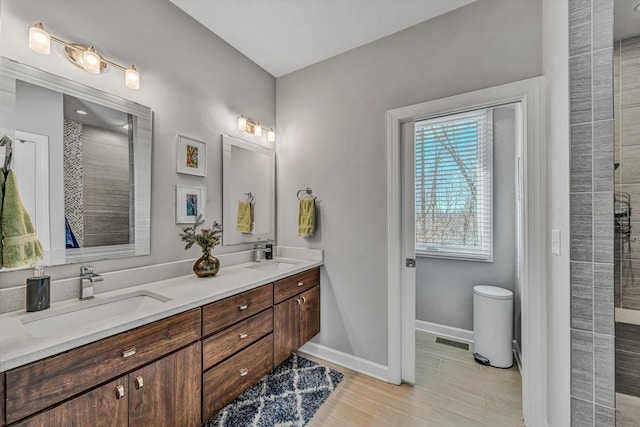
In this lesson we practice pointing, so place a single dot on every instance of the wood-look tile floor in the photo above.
(451, 390)
(627, 410)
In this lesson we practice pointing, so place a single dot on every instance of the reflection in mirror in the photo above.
(626, 251)
(82, 159)
(247, 168)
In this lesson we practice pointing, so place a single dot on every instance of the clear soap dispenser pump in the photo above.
(38, 290)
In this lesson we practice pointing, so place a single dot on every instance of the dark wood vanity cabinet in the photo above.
(296, 318)
(166, 392)
(169, 378)
(177, 371)
(240, 352)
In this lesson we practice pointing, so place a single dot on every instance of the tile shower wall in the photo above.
(627, 213)
(591, 199)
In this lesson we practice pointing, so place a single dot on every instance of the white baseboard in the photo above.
(445, 331)
(348, 361)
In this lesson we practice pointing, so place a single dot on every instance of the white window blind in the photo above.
(453, 186)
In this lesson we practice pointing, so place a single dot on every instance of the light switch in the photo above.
(555, 242)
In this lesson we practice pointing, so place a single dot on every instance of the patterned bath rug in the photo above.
(287, 397)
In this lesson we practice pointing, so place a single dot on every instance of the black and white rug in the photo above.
(287, 397)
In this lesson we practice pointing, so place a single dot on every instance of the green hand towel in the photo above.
(20, 244)
(307, 217)
(244, 217)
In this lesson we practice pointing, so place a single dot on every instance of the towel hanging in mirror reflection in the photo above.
(245, 215)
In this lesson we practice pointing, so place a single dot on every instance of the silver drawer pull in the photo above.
(243, 372)
(298, 301)
(303, 299)
(243, 335)
(300, 284)
(139, 382)
(243, 307)
(119, 392)
(129, 352)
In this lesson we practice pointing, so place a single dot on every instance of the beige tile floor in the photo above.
(627, 410)
(451, 390)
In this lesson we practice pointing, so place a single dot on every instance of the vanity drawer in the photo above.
(39, 385)
(235, 338)
(225, 382)
(290, 286)
(220, 314)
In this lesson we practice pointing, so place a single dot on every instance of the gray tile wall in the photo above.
(592, 213)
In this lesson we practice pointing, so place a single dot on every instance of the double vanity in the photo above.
(171, 352)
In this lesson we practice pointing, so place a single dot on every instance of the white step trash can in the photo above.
(493, 326)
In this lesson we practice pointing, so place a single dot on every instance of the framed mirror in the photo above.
(82, 159)
(248, 176)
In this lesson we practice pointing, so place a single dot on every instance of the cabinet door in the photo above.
(286, 332)
(309, 314)
(167, 392)
(105, 406)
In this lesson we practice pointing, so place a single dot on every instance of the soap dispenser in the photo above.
(38, 287)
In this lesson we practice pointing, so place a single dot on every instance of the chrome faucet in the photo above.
(87, 279)
(258, 253)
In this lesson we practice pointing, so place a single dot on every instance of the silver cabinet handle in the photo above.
(119, 392)
(243, 372)
(243, 335)
(298, 301)
(139, 382)
(300, 284)
(129, 352)
(303, 299)
(243, 307)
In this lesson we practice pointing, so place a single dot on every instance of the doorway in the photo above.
(402, 279)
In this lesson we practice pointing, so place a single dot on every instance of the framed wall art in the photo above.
(191, 156)
(190, 202)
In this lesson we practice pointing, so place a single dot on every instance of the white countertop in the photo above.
(19, 347)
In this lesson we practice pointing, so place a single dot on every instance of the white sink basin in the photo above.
(275, 266)
(85, 313)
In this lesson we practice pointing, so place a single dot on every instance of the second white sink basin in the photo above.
(50, 322)
(275, 266)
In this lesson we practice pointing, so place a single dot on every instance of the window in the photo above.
(453, 186)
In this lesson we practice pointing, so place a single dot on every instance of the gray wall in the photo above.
(332, 138)
(195, 83)
(444, 291)
(591, 198)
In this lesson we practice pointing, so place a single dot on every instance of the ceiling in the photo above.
(283, 36)
(626, 20)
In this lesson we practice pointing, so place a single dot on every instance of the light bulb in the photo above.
(242, 123)
(132, 78)
(39, 39)
(271, 135)
(91, 61)
(257, 130)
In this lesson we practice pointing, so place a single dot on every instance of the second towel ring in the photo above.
(307, 191)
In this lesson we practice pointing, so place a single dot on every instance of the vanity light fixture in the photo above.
(255, 128)
(82, 56)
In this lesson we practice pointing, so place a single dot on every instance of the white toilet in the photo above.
(493, 326)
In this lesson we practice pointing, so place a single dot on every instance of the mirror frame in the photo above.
(228, 218)
(12, 71)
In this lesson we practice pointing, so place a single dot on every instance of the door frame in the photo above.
(401, 328)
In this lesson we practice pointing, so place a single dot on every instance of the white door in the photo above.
(408, 253)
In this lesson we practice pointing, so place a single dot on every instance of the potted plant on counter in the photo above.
(207, 265)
